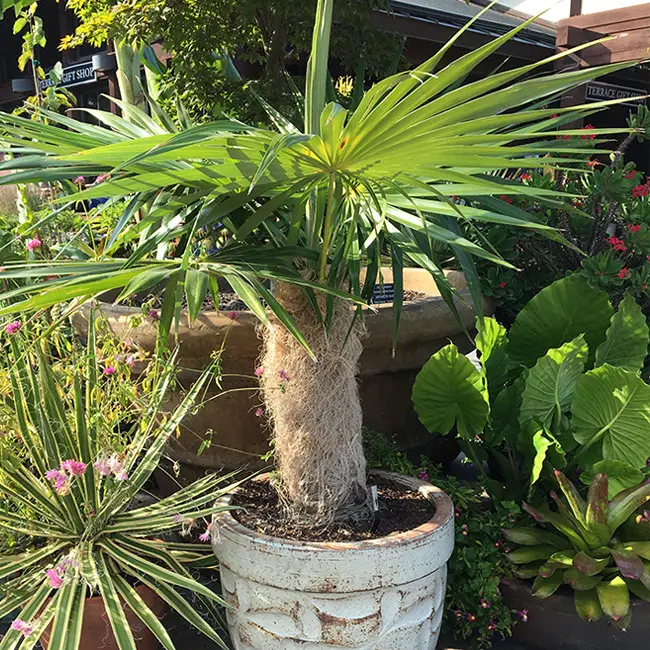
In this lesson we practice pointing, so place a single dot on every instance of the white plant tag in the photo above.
(375, 498)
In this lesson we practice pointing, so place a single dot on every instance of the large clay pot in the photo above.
(96, 631)
(554, 622)
(381, 594)
(240, 437)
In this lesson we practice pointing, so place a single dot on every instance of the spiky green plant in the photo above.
(598, 549)
(84, 536)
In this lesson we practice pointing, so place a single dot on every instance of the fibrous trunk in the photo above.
(315, 412)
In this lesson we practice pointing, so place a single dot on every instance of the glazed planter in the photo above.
(554, 623)
(96, 631)
(240, 437)
(381, 594)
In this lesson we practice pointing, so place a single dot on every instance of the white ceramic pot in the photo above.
(381, 594)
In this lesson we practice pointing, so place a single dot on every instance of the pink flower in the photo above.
(154, 314)
(283, 375)
(101, 178)
(423, 476)
(624, 273)
(122, 475)
(20, 626)
(75, 467)
(177, 518)
(80, 180)
(233, 315)
(523, 615)
(491, 626)
(259, 371)
(110, 370)
(56, 581)
(33, 244)
(259, 412)
(485, 604)
(115, 463)
(59, 480)
(130, 360)
(502, 285)
(103, 466)
(12, 328)
(205, 537)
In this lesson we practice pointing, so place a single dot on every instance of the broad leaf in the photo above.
(620, 475)
(611, 416)
(449, 391)
(550, 383)
(557, 315)
(626, 345)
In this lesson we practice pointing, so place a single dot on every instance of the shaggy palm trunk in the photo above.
(315, 413)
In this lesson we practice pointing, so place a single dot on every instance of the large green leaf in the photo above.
(549, 384)
(620, 475)
(558, 314)
(449, 391)
(626, 345)
(611, 416)
(546, 447)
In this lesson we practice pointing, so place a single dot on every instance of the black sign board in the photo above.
(383, 293)
(74, 75)
(600, 92)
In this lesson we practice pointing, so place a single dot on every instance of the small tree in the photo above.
(348, 189)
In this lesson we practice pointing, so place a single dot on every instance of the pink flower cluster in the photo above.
(113, 464)
(55, 576)
(21, 626)
(12, 328)
(33, 244)
(61, 477)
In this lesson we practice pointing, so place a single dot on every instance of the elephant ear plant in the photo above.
(598, 547)
(562, 389)
(82, 535)
(347, 189)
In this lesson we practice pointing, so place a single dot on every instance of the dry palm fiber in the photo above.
(315, 412)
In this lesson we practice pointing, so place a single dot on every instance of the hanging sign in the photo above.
(600, 92)
(73, 75)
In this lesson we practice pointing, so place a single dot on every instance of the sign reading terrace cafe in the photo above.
(73, 75)
(599, 92)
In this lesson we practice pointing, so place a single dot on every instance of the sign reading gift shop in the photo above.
(73, 75)
(600, 92)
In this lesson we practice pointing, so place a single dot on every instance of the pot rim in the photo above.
(444, 512)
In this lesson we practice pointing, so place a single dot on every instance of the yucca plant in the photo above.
(598, 548)
(85, 535)
(329, 198)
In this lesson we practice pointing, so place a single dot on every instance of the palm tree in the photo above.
(323, 201)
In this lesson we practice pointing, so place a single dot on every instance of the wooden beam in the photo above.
(576, 8)
(610, 18)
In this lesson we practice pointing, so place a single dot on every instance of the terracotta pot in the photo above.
(240, 438)
(96, 631)
(380, 594)
(553, 623)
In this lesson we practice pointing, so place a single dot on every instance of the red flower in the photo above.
(640, 190)
(526, 177)
(624, 273)
(502, 285)
(585, 136)
(631, 174)
(634, 227)
(505, 198)
(592, 163)
(617, 244)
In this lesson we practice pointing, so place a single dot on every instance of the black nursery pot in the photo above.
(553, 623)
